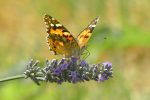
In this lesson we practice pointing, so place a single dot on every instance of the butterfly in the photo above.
(62, 42)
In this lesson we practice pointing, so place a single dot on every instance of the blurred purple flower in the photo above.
(106, 73)
(83, 63)
(64, 66)
(107, 65)
(57, 71)
(73, 76)
(69, 70)
(102, 77)
(74, 59)
(62, 60)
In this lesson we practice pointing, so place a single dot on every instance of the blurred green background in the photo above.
(124, 23)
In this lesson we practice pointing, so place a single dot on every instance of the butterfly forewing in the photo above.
(60, 39)
(85, 35)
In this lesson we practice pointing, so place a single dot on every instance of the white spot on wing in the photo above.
(58, 25)
(52, 25)
(92, 25)
(47, 30)
(47, 26)
(53, 18)
(45, 22)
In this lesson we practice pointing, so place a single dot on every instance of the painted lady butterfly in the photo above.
(61, 41)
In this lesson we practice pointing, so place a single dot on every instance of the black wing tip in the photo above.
(97, 18)
(47, 16)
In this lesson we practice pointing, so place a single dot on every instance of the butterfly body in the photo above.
(61, 41)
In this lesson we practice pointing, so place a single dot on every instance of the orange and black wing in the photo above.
(85, 35)
(59, 38)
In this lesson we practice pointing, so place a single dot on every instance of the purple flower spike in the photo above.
(73, 76)
(107, 65)
(74, 59)
(62, 60)
(101, 78)
(64, 66)
(83, 63)
(106, 73)
(57, 71)
(72, 70)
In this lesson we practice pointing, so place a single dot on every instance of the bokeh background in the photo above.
(122, 36)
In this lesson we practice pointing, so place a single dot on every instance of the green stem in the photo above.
(13, 78)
